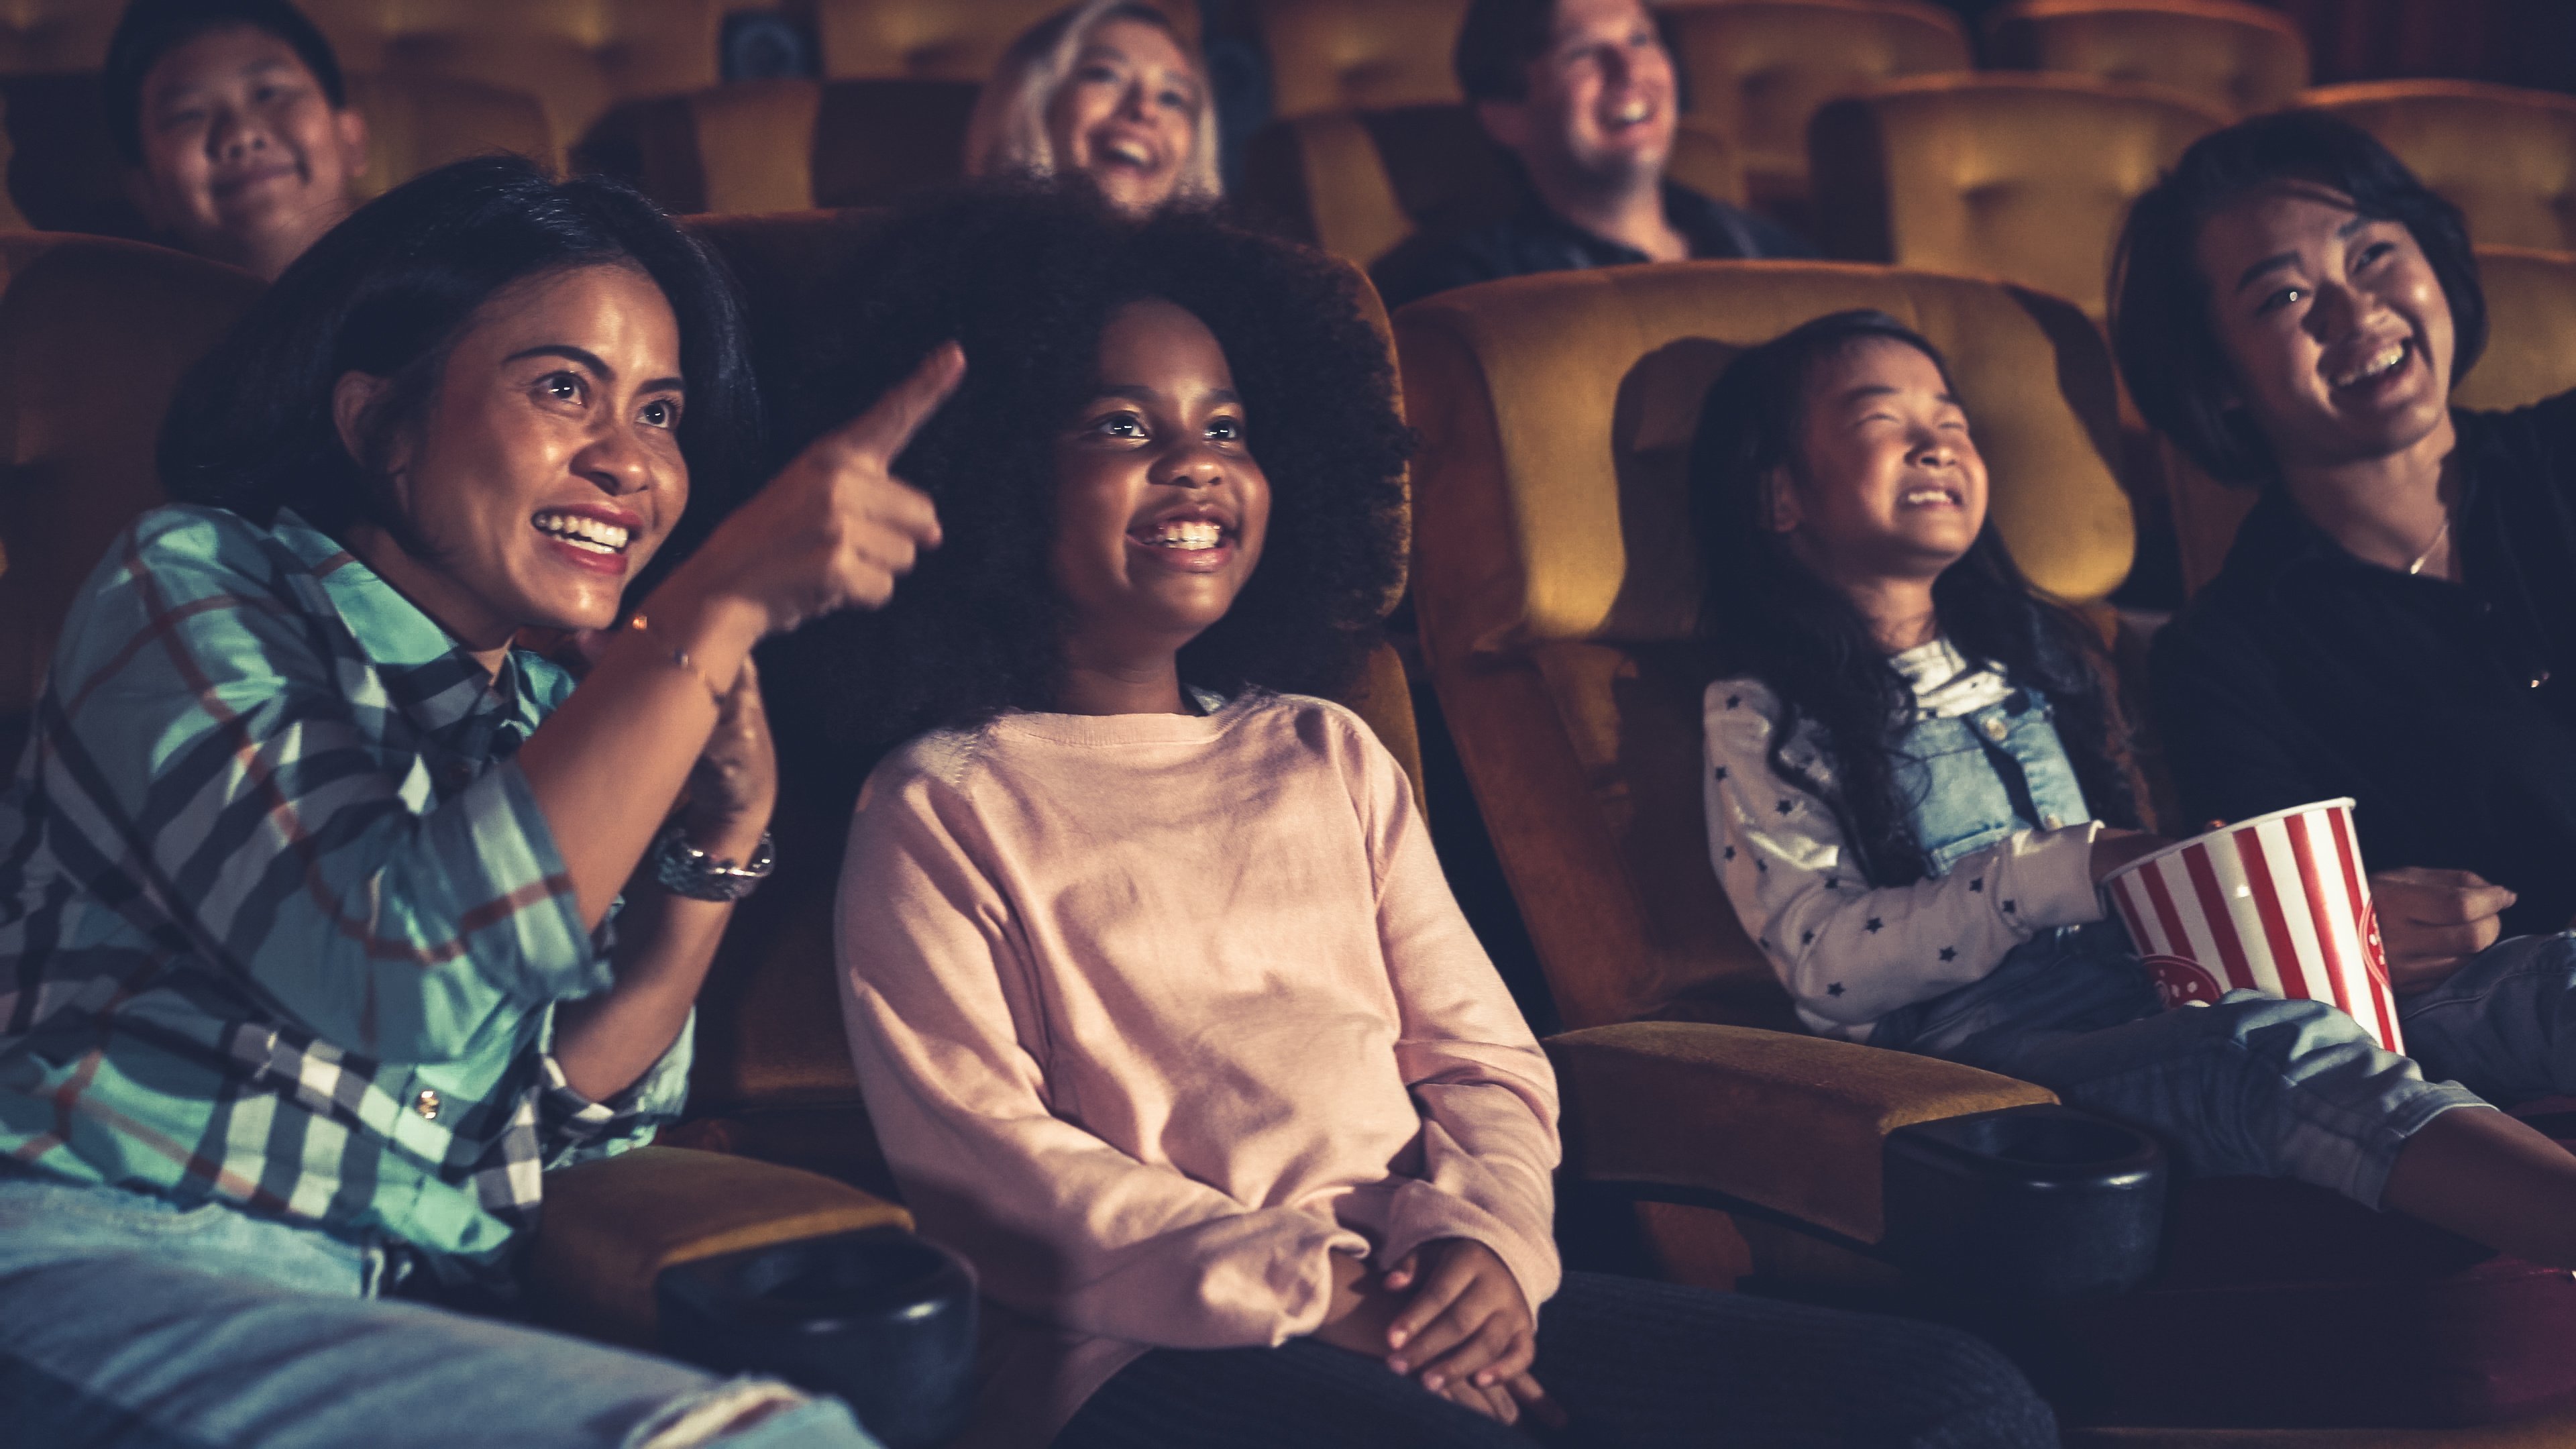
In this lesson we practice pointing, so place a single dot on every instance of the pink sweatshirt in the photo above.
(1156, 1012)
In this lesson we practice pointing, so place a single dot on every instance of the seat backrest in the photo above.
(94, 334)
(42, 36)
(2025, 177)
(2504, 156)
(788, 145)
(11, 219)
(1357, 182)
(921, 39)
(1758, 70)
(769, 1035)
(1557, 591)
(65, 174)
(417, 123)
(939, 39)
(1344, 55)
(2531, 313)
(2243, 59)
(577, 57)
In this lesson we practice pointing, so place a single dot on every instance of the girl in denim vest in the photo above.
(1913, 794)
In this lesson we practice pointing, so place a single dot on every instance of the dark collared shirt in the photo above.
(2448, 711)
(1535, 239)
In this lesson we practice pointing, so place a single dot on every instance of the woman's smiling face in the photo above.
(546, 469)
(1160, 508)
(1128, 114)
(2334, 323)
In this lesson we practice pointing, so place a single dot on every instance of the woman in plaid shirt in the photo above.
(306, 970)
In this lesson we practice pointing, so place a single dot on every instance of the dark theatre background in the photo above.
(1552, 747)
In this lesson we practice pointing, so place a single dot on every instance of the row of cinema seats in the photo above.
(1860, 120)
(1554, 601)
(541, 77)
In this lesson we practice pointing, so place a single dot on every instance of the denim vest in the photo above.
(1979, 777)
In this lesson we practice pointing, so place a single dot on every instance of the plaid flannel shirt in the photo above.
(280, 923)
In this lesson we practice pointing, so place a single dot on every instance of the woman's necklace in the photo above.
(2439, 534)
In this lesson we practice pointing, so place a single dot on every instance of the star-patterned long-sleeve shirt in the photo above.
(1848, 952)
(280, 922)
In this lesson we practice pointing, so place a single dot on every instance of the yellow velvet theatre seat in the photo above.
(94, 334)
(789, 145)
(2243, 59)
(937, 39)
(1357, 182)
(417, 123)
(577, 57)
(1342, 55)
(1758, 70)
(2506, 157)
(2024, 177)
(1557, 593)
(42, 36)
(2531, 315)
(11, 219)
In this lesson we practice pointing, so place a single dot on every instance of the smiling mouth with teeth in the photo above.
(1926, 496)
(1189, 534)
(583, 532)
(2376, 365)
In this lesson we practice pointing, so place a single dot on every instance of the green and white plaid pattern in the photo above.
(280, 922)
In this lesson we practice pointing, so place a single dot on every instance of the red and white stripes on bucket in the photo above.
(2278, 904)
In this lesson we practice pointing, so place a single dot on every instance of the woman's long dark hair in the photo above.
(1767, 615)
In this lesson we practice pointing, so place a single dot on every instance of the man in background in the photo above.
(1582, 94)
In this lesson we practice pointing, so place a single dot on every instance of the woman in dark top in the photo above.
(2395, 620)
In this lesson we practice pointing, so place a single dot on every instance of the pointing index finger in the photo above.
(888, 425)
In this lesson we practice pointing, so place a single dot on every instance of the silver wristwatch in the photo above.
(684, 870)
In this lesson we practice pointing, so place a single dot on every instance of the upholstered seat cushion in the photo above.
(1758, 70)
(2506, 157)
(1341, 55)
(2025, 177)
(2244, 59)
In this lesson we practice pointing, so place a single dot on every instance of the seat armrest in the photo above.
(610, 1227)
(1794, 1125)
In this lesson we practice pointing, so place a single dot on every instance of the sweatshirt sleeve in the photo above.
(1059, 1223)
(1485, 1089)
(1850, 953)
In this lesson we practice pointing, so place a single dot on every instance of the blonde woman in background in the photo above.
(1108, 88)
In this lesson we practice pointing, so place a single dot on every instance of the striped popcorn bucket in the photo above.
(2278, 904)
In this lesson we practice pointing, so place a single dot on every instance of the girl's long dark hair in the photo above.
(1765, 614)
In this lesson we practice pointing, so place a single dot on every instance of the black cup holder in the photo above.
(2026, 1202)
(882, 1318)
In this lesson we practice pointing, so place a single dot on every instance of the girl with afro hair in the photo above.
(1163, 1011)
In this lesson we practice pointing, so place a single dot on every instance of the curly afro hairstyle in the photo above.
(1025, 276)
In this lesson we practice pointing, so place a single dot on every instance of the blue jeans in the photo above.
(127, 1320)
(2255, 1085)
